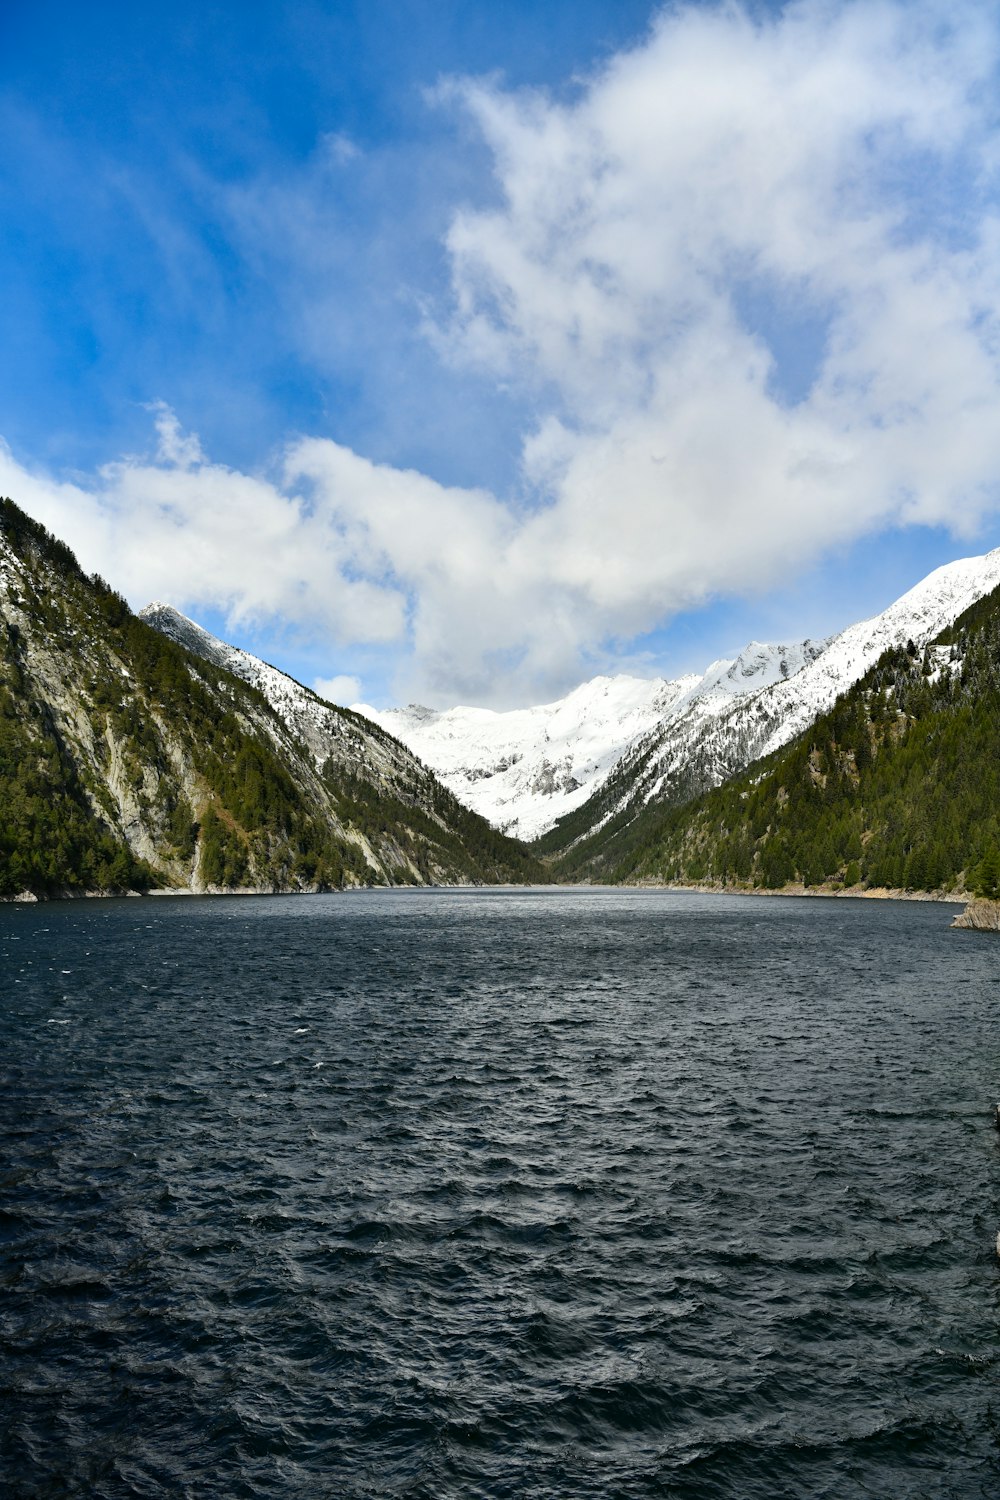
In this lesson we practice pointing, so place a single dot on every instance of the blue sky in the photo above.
(460, 351)
(134, 136)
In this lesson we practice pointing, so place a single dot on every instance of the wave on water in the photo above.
(583, 1194)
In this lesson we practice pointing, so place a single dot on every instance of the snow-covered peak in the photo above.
(757, 666)
(918, 615)
(170, 621)
(526, 768)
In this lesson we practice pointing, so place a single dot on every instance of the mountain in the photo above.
(329, 733)
(527, 768)
(130, 760)
(524, 768)
(896, 787)
(708, 738)
(574, 774)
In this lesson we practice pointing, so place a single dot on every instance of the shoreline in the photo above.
(29, 898)
(854, 893)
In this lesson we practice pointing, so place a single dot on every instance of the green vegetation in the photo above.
(105, 722)
(986, 877)
(49, 838)
(898, 786)
(442, 833)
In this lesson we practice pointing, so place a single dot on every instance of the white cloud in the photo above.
(211, 536)
(724, 157)
(728, 181)
(340, 690)
(336, 545)
(176, 447)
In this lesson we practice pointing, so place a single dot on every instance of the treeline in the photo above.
(898, 786)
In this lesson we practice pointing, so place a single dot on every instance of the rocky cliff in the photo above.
(980, 916)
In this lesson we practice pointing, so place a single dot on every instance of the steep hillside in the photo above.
(128, 762)
(897, 786)
(707, 740)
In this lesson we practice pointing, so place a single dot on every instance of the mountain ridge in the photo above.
(129, 762)
(525, 768)
(896, 789)
(561, 780)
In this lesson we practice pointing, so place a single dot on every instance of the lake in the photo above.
(499, 1193)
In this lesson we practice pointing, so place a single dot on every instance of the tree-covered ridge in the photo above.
(587, 842)
(50, 838)
(132, 684)
(125, 762)
(898, 786)
(367, 770)
(437, 822)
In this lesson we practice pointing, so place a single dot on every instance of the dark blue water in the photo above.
(499, 1194)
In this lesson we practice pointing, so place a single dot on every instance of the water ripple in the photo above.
(494, 1194)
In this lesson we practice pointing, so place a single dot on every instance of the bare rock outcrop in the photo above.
(980, 916)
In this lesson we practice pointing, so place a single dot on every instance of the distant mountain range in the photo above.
(571, 773)
(141, 752)
(526, 768)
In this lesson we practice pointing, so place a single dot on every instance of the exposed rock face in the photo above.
(333, 736)
(980, 916)
(134, 757)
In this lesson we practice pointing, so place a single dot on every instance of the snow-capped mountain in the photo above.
(695, 748)
(919, 615)
(525, 768)
(617, 740)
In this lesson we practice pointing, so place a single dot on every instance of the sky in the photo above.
(445, 351)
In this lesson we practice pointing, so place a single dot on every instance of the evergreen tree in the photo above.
(986, 881)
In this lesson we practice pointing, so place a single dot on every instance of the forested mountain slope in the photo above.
(897, 786)
(709, 740)
(128, 762)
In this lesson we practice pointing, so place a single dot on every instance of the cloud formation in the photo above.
(833, 168)
(343, 689)
(749, 275)
(200, 534)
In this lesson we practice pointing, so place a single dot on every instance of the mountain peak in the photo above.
(527, 768)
